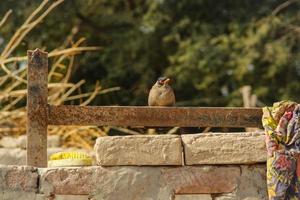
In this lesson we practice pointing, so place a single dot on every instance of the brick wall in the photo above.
(189, 167)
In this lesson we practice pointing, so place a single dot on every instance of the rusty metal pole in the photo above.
(37, 94)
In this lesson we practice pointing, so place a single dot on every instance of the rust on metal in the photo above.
(154, 116)
(37, 73)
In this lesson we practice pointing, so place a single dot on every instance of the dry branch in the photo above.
(13, 82)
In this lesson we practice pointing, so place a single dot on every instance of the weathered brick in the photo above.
(17, 195)
(71, 197)
(227, 196)
(18, 182)
(193, 197)
(18, 178)
(252, 183)
(159, 183)
(202, 179)
(41, 197)
(106, 183)
(224, 148)
(139, 150)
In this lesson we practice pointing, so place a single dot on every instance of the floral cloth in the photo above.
(282, 127)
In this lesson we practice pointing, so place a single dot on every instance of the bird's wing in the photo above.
(152, 97)
(169, 99)
(173, 98)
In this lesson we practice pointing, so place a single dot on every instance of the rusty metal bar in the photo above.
(37, 108)
(154, 116)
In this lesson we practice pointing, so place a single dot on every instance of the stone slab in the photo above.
(139, 150)
(224, 148)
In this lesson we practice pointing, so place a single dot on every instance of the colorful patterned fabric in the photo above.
(282, 127)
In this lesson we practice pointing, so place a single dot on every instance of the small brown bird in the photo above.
(161, 93)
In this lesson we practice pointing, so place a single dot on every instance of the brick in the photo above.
(106, 183)
(253, 184)
(18, 182)
(71, 197)
(18, 178)
(41, 197)
(202, 179)
(139, 150)
(193, 197)
(228, 196)
(17, 195)
(224, 148)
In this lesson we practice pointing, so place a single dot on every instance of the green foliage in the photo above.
(209, 48)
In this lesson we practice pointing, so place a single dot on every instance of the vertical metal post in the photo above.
(37, 94)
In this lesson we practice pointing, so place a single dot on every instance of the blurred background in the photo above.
(103, 52)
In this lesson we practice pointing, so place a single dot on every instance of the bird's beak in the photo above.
(167, 81)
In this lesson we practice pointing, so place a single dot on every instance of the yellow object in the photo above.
(65, 159)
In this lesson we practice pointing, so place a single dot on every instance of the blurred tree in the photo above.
(209, 48)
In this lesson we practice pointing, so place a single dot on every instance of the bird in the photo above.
(161, 93)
